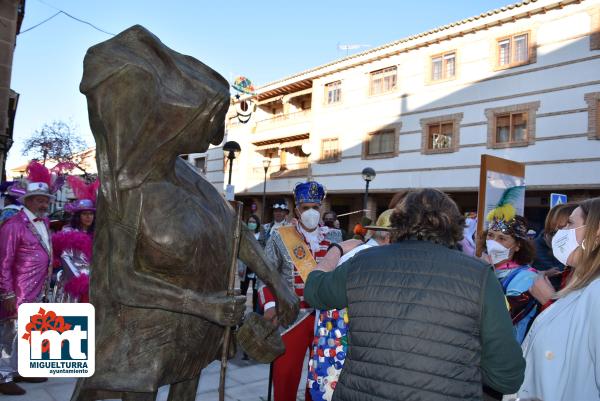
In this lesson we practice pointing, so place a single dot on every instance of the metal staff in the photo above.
(230, 292)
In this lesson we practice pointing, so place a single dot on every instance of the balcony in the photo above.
(281, 120)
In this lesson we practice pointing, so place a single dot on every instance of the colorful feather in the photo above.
(36, 172)
(83, 190)
(505, 209)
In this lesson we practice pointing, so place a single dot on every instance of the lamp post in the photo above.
(266, 164)
(231, 149)
(368, 174)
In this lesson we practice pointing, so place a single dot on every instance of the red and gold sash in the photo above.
(298, 251)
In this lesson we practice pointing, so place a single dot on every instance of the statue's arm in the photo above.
(133, 287)
(252, 254)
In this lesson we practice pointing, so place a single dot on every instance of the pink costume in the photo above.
(24, 267)
(24, 260)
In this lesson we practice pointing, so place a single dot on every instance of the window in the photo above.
(593, 101)
(443, 66)
(595, 28)
(380, 144)
(200, 164)
(513, 50)
(383, 81)
(511, 128)
(330, 150)
(512, 125)
(440, 134)
(333, 92)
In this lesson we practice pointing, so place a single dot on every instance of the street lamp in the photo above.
(368, 174)
(266, 164)
(231, 149)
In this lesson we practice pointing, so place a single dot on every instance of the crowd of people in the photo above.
(38, 264)
(413, 311)
(417, 306)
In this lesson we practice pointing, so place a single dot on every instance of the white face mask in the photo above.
(497, 251)
(564, 243)
(310, 218)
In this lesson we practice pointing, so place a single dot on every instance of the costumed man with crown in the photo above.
(73, 245)
(295, 250)
(25, 268)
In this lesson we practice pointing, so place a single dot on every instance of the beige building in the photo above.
(521, 82)
(11, 17)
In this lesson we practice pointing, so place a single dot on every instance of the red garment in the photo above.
(288, 368)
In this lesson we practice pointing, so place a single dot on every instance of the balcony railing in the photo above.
(280, 119)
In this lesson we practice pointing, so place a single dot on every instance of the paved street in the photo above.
(246, 381)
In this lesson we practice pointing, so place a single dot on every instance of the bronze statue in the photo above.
(163, 240)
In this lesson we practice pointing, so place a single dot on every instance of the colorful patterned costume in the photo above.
(287, 369)
(330, 344)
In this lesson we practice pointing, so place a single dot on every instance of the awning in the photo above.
(284, 142)
(292, 144)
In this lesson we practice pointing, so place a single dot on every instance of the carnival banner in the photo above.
(501, 186)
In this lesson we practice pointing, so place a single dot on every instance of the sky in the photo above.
(264, 40)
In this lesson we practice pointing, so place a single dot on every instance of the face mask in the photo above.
(310, 218)
(252, 226)
(497, 251)
(564, 243)
(329, 223)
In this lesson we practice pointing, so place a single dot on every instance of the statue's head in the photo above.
(147, 104)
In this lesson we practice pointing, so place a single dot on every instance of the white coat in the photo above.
(562, 349)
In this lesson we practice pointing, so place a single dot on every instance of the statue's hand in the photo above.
(288, 306)
(228, 310)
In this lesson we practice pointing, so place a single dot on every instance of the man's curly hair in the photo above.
(428, 215)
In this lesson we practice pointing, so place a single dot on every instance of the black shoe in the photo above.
(21, 379)
(11, 388)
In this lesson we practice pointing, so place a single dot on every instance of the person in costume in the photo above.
(287, 248)
(25, 266)
(427, 322)
(73, 245)
(509, 249)
(280, 213)
(10, 192)
(330, 344)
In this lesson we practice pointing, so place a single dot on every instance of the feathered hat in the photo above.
(504, 216)
(39, 181)
(85, 194)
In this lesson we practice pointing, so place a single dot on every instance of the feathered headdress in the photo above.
(504, 216)
(39, 181)
(85, 193)
(82, 189)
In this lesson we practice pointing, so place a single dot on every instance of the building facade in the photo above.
(12, 13)
(521, 83)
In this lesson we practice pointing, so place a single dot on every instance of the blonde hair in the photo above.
(588, 268)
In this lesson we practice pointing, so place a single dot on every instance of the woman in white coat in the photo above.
(562, 349)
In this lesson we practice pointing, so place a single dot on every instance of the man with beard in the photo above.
(25, 263)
